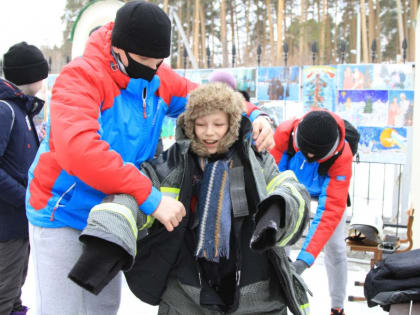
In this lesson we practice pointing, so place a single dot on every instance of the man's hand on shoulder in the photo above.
(263, 133)
(169, 212)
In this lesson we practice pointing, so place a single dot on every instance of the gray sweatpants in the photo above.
(14, 255)
(54, 253)
(335, 258)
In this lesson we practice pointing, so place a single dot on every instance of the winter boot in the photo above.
(20, 310)
(337, 311)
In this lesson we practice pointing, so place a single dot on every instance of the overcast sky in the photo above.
(37, 22)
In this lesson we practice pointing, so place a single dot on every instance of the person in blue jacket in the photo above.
(24, 68)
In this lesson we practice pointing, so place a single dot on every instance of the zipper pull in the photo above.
(303, 164)
(144, 95)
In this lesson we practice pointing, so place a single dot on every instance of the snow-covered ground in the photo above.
(315, 278)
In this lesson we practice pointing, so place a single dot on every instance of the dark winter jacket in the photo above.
(163, 255)
(18, 146)
(396, 279)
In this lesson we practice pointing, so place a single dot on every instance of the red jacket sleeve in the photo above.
(75, 108)
(281, 139)
(331, 205)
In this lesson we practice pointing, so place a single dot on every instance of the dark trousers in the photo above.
(14, 256)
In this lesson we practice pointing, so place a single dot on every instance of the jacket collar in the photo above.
(32, 105)
(98, 51)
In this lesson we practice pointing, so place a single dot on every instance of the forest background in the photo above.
(223, 33)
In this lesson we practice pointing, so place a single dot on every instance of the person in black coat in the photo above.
(24, 68)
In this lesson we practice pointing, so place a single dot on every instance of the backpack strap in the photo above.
(13, 115)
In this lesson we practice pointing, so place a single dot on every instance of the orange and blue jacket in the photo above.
(102, 127)
(331, 190)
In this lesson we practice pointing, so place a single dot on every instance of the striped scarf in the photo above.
(214, 207)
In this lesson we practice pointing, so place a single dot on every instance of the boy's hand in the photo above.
(169, 212)
(263, 134)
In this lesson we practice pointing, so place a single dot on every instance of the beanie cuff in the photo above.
(21, 75)
(125, 42)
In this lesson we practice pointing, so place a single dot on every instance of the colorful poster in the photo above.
(400, 111)
(382, 144)
(168, 132)
(363, 108)
(278, 83)
(355, 77)
(319, 87)
(198, 76)
(275, 109)
(393, 77)
(245, 80)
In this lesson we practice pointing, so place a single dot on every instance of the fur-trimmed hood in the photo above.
(205, 100)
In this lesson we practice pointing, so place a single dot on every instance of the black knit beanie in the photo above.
(317, 133)
(24, 64)
(142, 28)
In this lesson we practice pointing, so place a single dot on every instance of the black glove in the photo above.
(269, 222)
(98, 264)
(300, 266)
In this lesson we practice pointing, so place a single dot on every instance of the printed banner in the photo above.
(278, 83)
(400, 110)
(383, 145)
(273, 108)
(319, 87)
(393, 77)
(355, 77)
(363, 108)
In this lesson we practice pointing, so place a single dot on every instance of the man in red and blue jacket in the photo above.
(315, 149)
(106, 115)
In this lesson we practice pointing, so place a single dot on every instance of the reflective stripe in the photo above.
(170, 192)
(120, 209)
(305, 308)
(280, 179)
(149, 222)
(296, 194)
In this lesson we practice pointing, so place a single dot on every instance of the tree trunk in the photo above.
(203, 36)
(353, 38)
(246, 56)
(196, 29)
(412, 31)
(270, 27)
(400, 27)
(238, 46)
(232, 29)
(188, 32)
(371, 24)
(378, 31)
(165, 6)
(223, 32)
(335, 54)
(302, 34)
(213, 35)
(318, 5)
(364, 32)
(180, 46)
(280, 17)
(322, 33)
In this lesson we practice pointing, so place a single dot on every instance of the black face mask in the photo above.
(137, 70)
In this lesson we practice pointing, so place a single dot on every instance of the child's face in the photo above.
(210, 129)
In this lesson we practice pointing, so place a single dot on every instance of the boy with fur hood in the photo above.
(227, 254)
